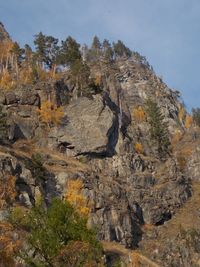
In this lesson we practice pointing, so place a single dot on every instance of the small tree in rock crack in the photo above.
(158, 128)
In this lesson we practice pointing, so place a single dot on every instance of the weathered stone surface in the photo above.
(89, 127)
(193, 165)
(22, 127)
(126, 189)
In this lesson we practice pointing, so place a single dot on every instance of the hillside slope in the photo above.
(139, 198)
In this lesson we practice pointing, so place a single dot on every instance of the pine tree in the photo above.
(69, 52)
(96, 44)
(94, 52)
(28, 54)
(40, 47)
(121, 50)
(107, 50)
(51, 51)
(17, 52)
(158, 128)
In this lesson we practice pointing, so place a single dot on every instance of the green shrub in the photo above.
(57, 236)
(158, 128)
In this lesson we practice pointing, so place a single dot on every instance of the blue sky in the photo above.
(166, 32)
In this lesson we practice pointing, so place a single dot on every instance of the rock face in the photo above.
(193, 165)
(89, 127)
(128, 188)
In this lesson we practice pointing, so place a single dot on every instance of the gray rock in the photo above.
(89, 127)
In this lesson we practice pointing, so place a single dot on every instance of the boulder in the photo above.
(89, 127)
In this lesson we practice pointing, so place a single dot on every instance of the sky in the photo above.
(167, 33)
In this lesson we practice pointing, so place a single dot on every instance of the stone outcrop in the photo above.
(128, 189)
(88, 127)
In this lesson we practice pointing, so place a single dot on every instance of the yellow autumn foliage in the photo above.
(7, 190)
(9, 245)
(176, 137)
(45, 76)
(181, 114)
(75, 197)
(138, 148)
(98, 80)
(188, 121)
(6, 81)
(50, 114)
(139, 114)
(5, 50)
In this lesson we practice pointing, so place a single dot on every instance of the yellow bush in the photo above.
(50, 114)
(7, 190)
(139, 114)
(75, 197)
(188, 121)
(176, 137)
(98, 80)
(181, 114)
(6, 81)
(138, 148)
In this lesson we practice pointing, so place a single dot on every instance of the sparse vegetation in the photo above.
(188, 121)
(139, 148)
(181, 114)
(49, 114)
(36, 165)
(7, 191)
(139, 114)
(76, 198)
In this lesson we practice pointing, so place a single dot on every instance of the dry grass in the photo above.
(133, 258)
(148, 227)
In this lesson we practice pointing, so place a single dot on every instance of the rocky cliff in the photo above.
(3, 33)
(137, 197)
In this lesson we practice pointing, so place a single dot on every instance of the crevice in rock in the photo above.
(165, 217)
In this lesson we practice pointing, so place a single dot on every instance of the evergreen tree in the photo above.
(17, 53)
(28, 55)
(69, 52)
(158, 128)
(121, 50)
(51, 51)
(107, 50)
(46, 49)
(40, 47)
(96, 44)
(57, 236)
(95, 50)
